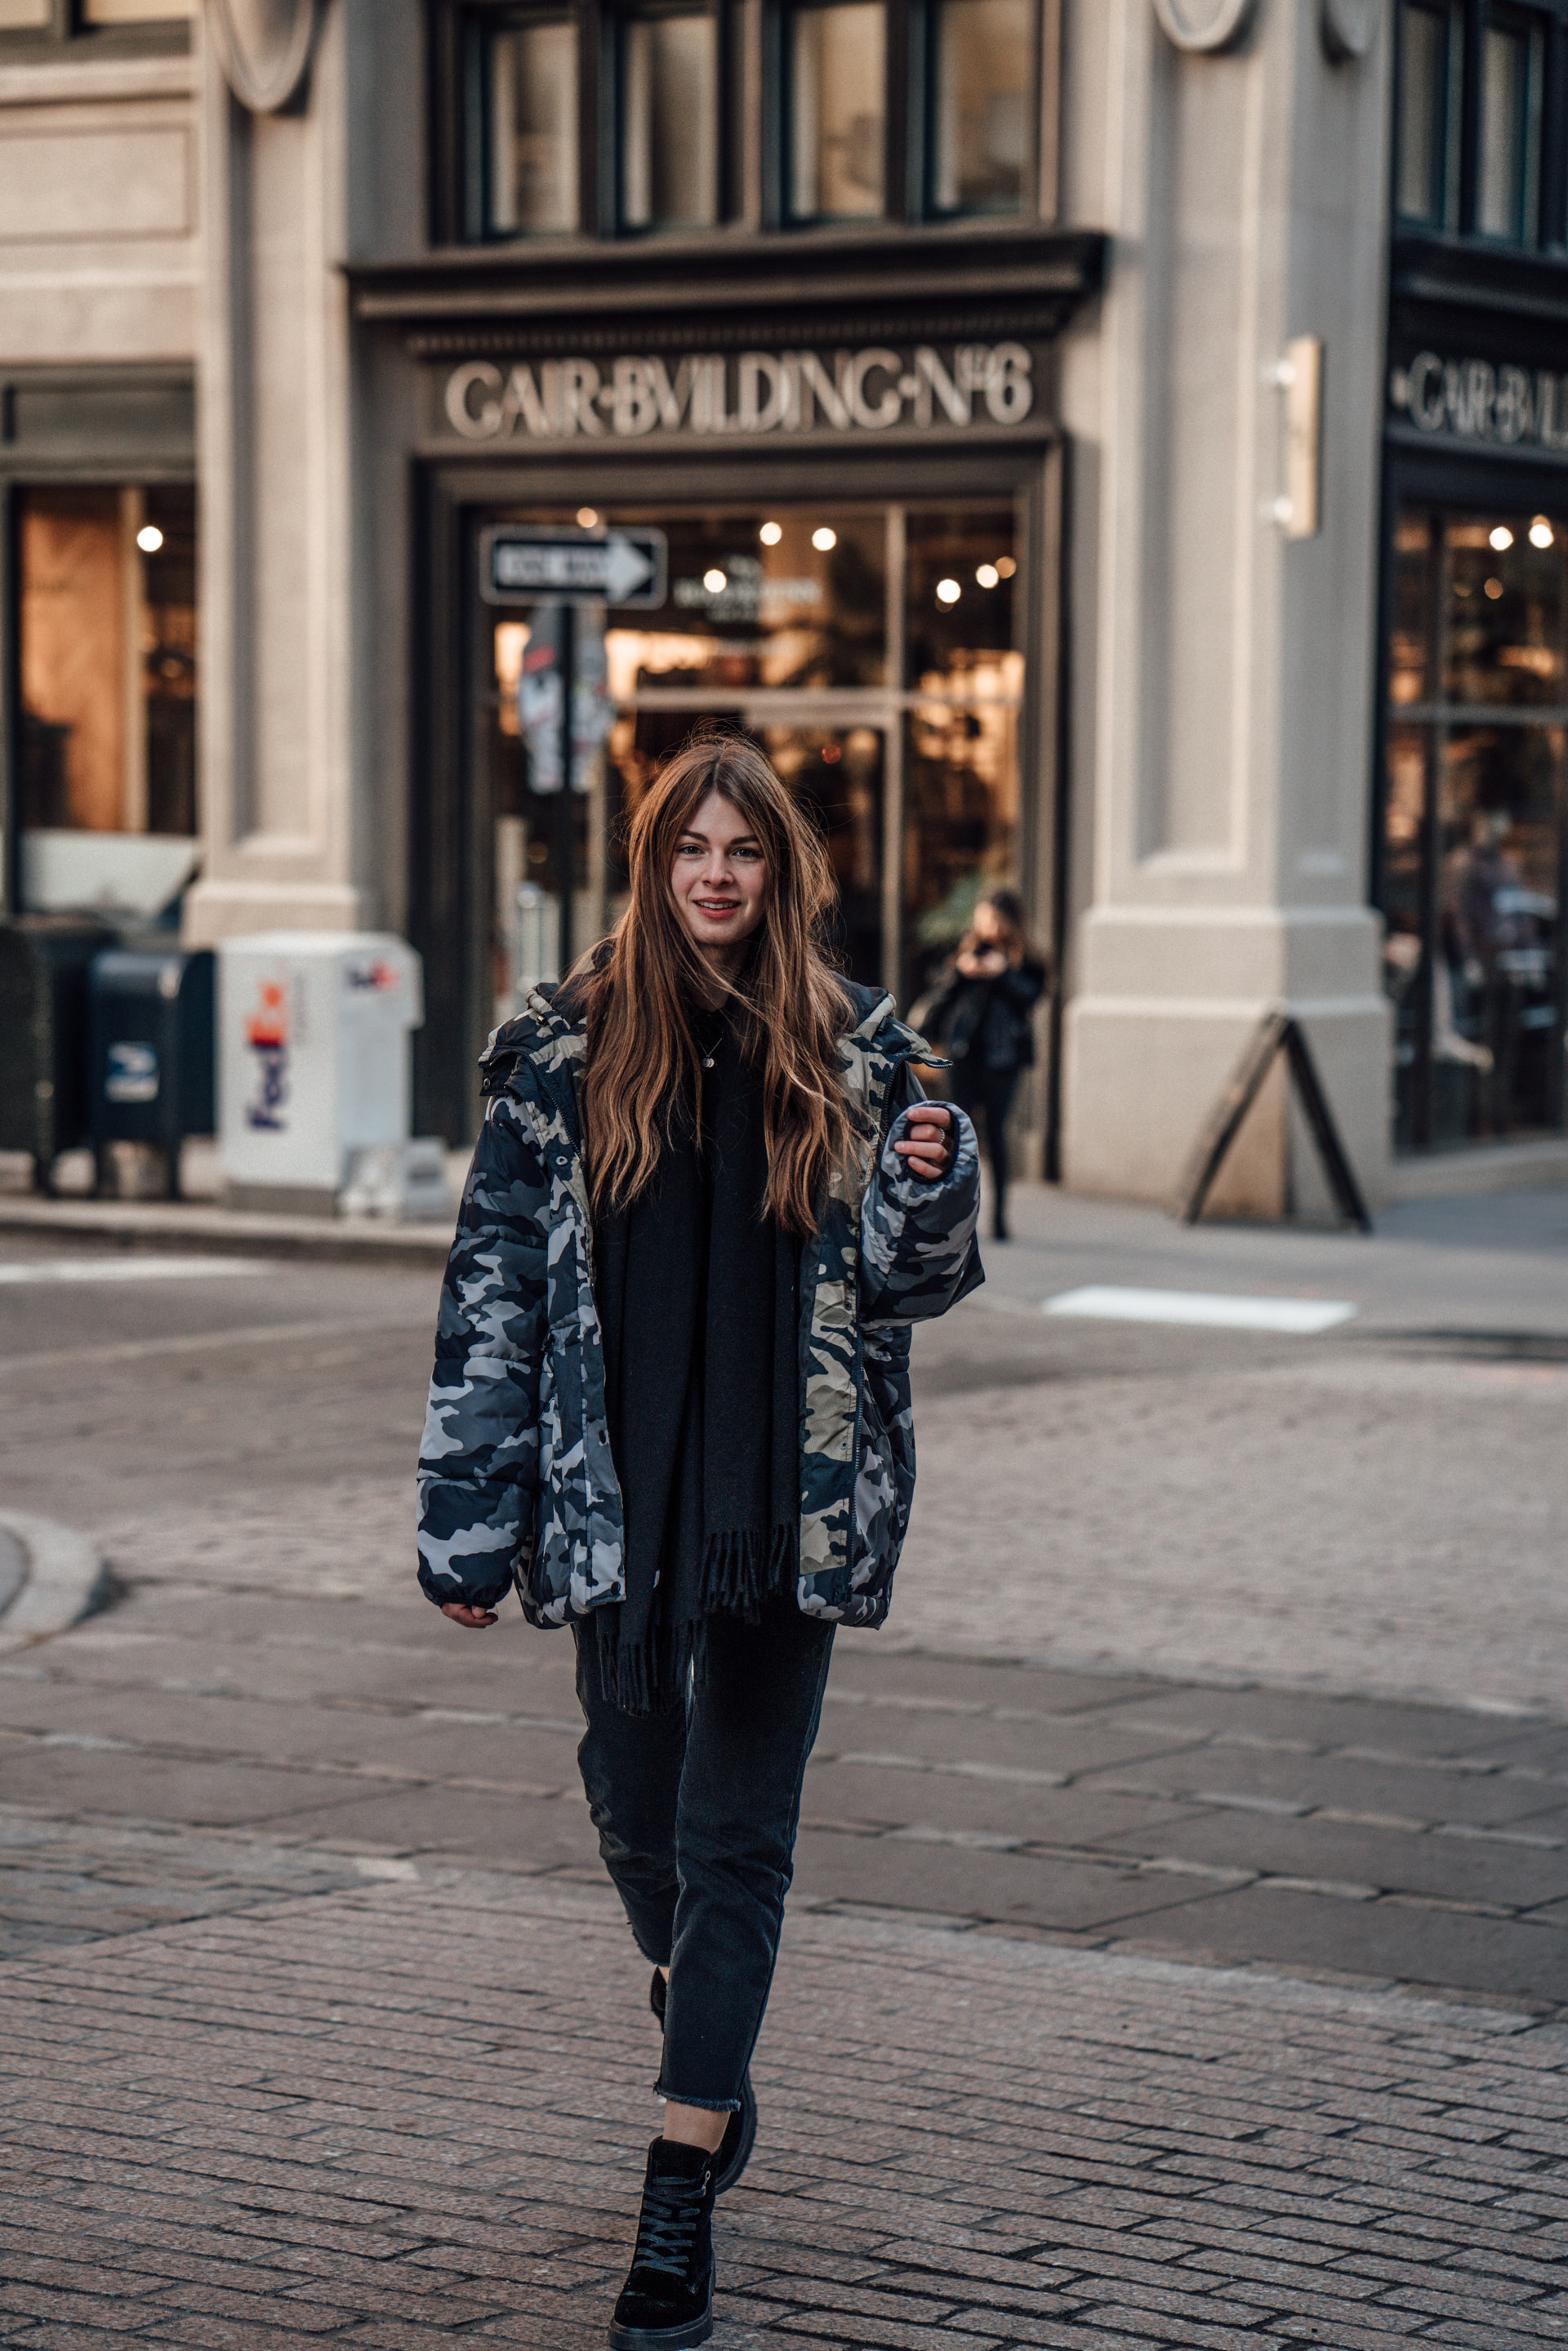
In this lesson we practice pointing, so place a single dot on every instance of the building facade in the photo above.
(1041, 401)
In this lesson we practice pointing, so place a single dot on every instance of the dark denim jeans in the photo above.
(989, 1092)
(697, 1810)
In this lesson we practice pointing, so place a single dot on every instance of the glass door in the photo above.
(1473, 824)
(874, 651)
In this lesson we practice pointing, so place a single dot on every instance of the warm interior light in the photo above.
(588, 518)
(1006, 566)
(1541, 532)
(822, 538)
(1501, 538)
(1494, 589)
(772, 533)
(947, 591)
(988, 575)
(832, 752)
(714, 581)
(149, 539)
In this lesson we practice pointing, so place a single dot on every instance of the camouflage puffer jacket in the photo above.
(517, 1485)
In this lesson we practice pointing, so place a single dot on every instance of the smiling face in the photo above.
(718, 878)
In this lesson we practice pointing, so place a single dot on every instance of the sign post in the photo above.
(562, 715)
(565, 846)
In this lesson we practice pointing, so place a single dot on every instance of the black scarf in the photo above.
(697, 1301)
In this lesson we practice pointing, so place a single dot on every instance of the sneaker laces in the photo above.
(667, 2228)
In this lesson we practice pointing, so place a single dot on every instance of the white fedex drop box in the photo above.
(313, 1060)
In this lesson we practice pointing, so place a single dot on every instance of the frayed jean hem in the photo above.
(707, 2105)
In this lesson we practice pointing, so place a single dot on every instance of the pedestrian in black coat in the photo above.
(983, 1017)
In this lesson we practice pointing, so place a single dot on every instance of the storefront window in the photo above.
(837, 127)
(961, 791)
(870, 650)
(533, 107)
(107, 752)
(1474, 831)
(669, 117)
(980, 105)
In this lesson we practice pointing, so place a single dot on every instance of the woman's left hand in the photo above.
(929, 1146)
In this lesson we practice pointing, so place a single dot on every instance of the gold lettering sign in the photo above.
(759, 393)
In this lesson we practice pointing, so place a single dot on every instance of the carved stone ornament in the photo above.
(1349, 27)
(263, 46)
(1204, 24)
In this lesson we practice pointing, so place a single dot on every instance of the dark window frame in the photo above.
(67, 34)
(460, 132)
(1547, 232)
(923, 103)
(615, 16)
(460, 126)
(897, 99)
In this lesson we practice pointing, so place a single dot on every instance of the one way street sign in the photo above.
(519, 564)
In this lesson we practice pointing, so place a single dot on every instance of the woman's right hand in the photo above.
(461, 1614)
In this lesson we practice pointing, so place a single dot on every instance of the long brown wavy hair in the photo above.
(642, 1063)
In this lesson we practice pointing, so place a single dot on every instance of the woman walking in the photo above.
(670, 1404)
(982, 1013)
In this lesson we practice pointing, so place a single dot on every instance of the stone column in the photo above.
(1222, 777)
(281, 845)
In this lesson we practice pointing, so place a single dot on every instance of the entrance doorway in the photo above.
(1474, 827)
(874, 650)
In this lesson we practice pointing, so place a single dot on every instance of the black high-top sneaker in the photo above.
(666, 2302)
(740, 2131)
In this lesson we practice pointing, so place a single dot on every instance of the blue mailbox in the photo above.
(151, 1049)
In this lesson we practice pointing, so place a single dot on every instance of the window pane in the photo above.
(1405, 971)
(803, 607)
(837, 112)
(980, 113)
(18, 14)
(1496, 1039)
(838, 773)
(533, 127)
(109, 660)
(1410, 648)
(962, 808)
(669, 100)
(1505, 612)
(136, 12)
(1473, 827)
(1423, 89)
(1501, 190)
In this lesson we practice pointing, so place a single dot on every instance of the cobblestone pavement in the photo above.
(1376, 1510)
(1237, 1651)
(410, 2111)
(1373, 1840)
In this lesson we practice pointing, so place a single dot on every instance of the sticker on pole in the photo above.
(540, 690)
(519, 564)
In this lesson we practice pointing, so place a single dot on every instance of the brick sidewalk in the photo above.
(415, 2108)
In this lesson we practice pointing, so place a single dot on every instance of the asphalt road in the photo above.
(1233, 1647)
